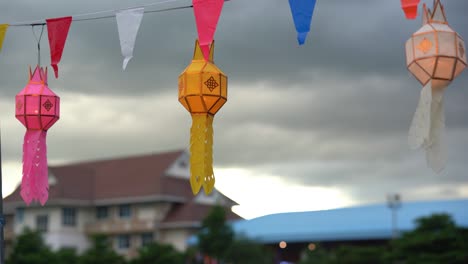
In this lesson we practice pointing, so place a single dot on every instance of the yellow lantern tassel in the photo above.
(201, 153)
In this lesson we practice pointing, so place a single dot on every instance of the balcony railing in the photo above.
(117, 226)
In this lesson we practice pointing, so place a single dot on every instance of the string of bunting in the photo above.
(129, 20)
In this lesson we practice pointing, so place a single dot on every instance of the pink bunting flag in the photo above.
(207, 13)
(57, 29)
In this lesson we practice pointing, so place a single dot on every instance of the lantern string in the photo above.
(38, 39)
(104, 13)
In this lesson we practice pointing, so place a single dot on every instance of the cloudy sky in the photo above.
(305, 128)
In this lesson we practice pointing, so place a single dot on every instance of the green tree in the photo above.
(158, 254)
(217, 240)
(317, 256)
(359, 254)
(436, 239)
(216, 236)
(244, 251)
(101, 253)
(67, 255)
(29, 248)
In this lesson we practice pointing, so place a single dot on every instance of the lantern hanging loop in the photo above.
(38, 40)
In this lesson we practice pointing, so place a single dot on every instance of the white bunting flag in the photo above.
(128, 23)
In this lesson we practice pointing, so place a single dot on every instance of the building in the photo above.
(289, 234)
(133, 201)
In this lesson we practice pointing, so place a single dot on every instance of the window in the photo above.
(125, 211)
(147, 238)
(102, 212)
(69, 216)
(124, 241)
(20, 215)
(42, 223)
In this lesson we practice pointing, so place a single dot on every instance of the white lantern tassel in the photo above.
(428, 127)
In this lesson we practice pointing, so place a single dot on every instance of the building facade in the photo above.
(133, 201)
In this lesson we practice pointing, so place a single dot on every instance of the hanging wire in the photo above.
(152, 11)
(115, 10)
(77, 16)
(38, 39)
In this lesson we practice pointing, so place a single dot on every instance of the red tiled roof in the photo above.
(115, 179)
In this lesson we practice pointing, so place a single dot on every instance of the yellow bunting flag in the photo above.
(3, 30)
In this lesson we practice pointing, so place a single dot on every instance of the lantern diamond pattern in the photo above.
(425, 45)
(435, 55)
(202, 91)
(48, 105)
(211, 84)
(37, 108)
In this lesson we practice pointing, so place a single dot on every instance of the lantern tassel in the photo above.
(35, 184)
(201, 153)
(428, 127)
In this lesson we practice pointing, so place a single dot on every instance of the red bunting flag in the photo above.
(58, 32)
(410, 7)
(207, 13)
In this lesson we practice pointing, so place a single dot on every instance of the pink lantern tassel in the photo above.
(35, 183)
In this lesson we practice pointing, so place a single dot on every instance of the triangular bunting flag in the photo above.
(58, 32)
(302, 11)
(3, 30)
(410, 7)
(128, 23)
(207, 14)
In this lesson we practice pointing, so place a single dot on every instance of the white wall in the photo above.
(175, 237)
(58, 236)
(152, 211)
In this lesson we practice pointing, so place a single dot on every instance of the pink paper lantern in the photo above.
(37, 108)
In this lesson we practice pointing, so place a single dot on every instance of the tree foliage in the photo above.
(67, 256)
(217, 240)
(216, 235)
(158, 254)
(29, 248)
(436, 239)
(101, 252)
(244, 251)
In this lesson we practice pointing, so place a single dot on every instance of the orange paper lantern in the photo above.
(202, 91)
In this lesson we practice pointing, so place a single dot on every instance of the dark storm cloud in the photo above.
(332, 113)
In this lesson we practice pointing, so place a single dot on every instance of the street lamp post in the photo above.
(394, 203)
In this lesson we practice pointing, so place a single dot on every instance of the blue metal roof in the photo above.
(354, 223)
